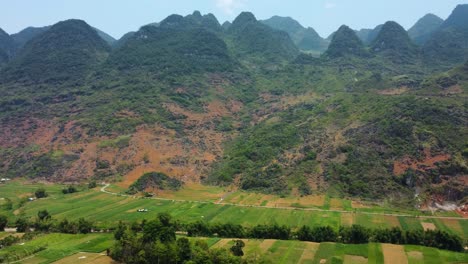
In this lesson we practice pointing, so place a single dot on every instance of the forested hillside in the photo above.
(381, 114)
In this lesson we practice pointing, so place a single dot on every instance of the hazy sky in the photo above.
(117, 17)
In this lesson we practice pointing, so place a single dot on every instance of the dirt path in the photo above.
(103, 189)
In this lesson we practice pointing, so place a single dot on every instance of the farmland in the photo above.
(53, 247)
(88, 249)
(307, 252)
(105, 210)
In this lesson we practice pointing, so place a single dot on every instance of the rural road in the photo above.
(103, 189)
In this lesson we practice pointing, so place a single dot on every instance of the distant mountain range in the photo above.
(306, 39)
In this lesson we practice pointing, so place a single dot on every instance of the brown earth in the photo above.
(394, 254)
(186, 156)
(401, 166)
(394, 91)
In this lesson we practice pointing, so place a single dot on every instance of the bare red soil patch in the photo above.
(401, 166)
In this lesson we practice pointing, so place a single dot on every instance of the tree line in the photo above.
(354, 234)
(156, 239)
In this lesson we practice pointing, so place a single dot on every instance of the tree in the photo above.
(22, 225)
(43, 215)
(40, 193)
(3, 222)
(184, 251)
(154, 230)
(92, 185)
(119, 232)
(84, 226)
(236, 249)
(69, 189)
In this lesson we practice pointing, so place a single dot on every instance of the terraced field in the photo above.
(106, 209)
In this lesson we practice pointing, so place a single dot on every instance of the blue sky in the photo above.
(117, 17)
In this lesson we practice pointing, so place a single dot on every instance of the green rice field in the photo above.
(106, 209)
(52, 247)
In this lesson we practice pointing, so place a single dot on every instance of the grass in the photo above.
(105, 210)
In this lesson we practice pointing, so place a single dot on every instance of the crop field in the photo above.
(52, 247)
(198, 192)
(106, 209)
(277, 251)
(64, 249)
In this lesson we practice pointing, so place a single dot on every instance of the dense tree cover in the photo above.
(168, 51)
(345, 43)
(354, 234)
(394, 44)
(448, 44)
(252, 39)
(424, 27)
(44, 222)
(157, 243)
(155, 180)
(64, 53)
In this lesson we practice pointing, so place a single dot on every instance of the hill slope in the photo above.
(424, 27)
(394, 43)
(252, 39)
(175, 47)
(25, 35)
(449, 44)
(306, 39)
(345, 42)
(7, 47)
(65, 52)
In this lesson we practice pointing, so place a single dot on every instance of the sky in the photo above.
(117, 17)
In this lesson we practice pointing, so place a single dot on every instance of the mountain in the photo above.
(306, 39)
(25, 35)
(367, 36)
(208, 21)
(238, 107)
(65, 52)
(7, 47)
(345, 42)
(226, 25)
(394, 43)
(176, 46)
(424, 27)
(120, 42)
(252, 39)
(106, 37)
(458, 19)
(449, 44)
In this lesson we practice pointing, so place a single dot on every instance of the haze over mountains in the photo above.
(264, 105)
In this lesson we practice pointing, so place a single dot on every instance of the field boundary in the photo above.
(103, 189)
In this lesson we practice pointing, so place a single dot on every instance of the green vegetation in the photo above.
(48, 248)
(106, 210)
(65, 53)
(153, 180)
